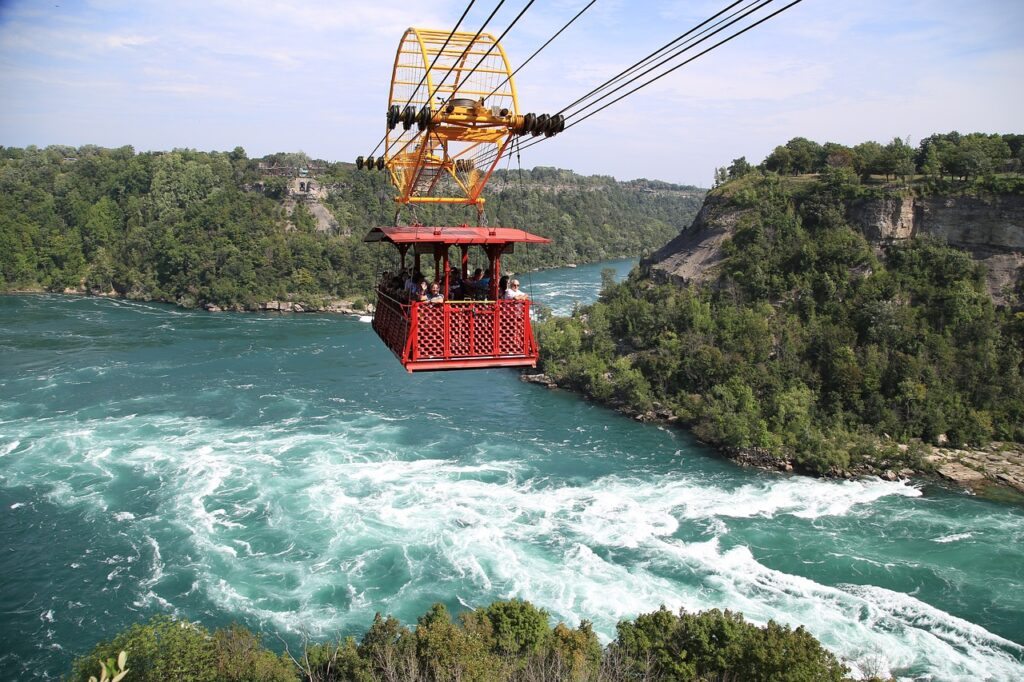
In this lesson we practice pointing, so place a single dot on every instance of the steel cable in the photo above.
(432, 62)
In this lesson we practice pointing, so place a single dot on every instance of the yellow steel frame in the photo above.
(411, 152)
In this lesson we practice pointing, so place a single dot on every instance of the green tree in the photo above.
(867, 159)
(739, 167)
(162, 649)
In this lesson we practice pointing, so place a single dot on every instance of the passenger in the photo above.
(435, 295)
(482, 286)
(421, 290)
(502, 286)
(415, 286)
(513, 293)
(455, 292)
(476, 289)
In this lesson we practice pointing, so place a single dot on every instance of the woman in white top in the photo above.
(513, 293)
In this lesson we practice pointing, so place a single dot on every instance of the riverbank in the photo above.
(320, 305)
(993, 471)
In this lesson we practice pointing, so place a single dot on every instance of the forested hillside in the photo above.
(805, 342)
(195, 227)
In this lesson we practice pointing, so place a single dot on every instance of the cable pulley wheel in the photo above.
(394, 112)
(369, 162)
(555, 125)
(359, 162)
(540, 125)
(408, 117)
(528, 122)
(424, 117)
(380, 163)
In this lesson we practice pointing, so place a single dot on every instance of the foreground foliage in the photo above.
(510, 640)
(807, 345)
(193, 227)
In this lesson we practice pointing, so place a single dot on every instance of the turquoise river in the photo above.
(285, 472)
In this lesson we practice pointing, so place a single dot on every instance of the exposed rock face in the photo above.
(540, 379)
(693, 255)
(991, 229)
(325, 221)
(990, 223)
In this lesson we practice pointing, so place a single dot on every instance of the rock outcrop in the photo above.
(991, 229)
(999, 464)
(333, 306)
(694, 254)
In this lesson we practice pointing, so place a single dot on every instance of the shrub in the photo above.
(162, 649)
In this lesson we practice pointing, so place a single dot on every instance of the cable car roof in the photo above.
(452, 235)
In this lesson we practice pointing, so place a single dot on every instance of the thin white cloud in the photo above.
(827, 70)
(188, 89)
(117, 42)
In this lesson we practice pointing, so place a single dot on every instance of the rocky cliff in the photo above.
(991, 229)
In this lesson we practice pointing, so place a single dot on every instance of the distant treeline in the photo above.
(195, 227)
(506, 641)
(806, 345)
(942, 156)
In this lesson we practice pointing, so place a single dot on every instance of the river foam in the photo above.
(262, 469)
(313, 532)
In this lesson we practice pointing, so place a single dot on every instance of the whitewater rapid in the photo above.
(284, 472)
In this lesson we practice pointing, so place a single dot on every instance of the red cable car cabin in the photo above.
(469, 334)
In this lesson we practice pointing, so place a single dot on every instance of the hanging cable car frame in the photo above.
(452, 112)
(452, 102)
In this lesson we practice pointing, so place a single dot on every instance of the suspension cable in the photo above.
(579, 115)
(539, 49)
(678, 66)
(648, 58)
(728, 21)
(465, 51)
(432, 62)
(489, 50)
(733, 19)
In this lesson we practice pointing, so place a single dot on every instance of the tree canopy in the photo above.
(508, 640)
(806, 344)
(196, 227)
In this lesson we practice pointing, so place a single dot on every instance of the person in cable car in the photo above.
(422, 290)
(513, 293)
(455, 288)
(435, 295)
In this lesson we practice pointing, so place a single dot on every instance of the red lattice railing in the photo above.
(456, 334)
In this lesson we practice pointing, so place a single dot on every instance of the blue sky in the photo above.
(284, 75)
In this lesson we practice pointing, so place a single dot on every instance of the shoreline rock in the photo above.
(540, 379)
(998, 464)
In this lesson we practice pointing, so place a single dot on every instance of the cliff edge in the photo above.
(990, 228)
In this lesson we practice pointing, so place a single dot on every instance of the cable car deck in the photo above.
(456, 334)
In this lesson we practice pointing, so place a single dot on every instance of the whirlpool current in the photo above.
(284, 471)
